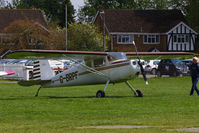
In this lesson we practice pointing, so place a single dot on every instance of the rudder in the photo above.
(42, 70)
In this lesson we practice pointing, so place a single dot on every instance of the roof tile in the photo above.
(142, 21)
(8, 16)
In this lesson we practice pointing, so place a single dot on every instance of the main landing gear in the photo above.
(37, 92)
(101, 93)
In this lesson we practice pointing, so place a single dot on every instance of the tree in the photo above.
(192, 11)
(22, 33)
(2, 3)
(84, 37)
(16, 4)
(56, 39)
(179, 4)
(54, 9)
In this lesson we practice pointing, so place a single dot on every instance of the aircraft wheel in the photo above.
(100, 94)
(140, 94)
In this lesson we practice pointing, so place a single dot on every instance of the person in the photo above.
(194, 71)
(110, 58)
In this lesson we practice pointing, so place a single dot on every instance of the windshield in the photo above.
(147, 61)
(117, 55)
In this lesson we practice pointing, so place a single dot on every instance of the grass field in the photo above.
(166, 105)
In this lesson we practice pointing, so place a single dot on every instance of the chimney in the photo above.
(101, 8)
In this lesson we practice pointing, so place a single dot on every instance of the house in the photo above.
(9, 16)
(152, 30)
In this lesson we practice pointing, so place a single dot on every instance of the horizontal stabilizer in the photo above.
(2, 73)
(33, 82)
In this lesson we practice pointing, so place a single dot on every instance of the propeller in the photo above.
(140, 64)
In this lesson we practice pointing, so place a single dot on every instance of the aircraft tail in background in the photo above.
(42, 70)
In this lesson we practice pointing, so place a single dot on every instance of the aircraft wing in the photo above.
(160, 55)
(58, 54)
(52, 54)
(3, 73)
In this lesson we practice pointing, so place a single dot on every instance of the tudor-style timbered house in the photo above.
(181, 38)
(152, 30)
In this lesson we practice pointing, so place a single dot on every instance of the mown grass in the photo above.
(166, 105)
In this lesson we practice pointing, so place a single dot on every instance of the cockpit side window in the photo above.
(89, 63)
(117, 55)
(99, 62)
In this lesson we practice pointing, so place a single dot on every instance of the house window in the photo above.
(151, 39)
(181, 38)
(125, 39)
(34, 40)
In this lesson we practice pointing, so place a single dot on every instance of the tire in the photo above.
(139, 92)
(159, 74)
(100, 94)
(153, 71)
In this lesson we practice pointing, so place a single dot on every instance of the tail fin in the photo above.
(42, 70)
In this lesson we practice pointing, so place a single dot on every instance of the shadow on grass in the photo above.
(18, 98)
(59, 97)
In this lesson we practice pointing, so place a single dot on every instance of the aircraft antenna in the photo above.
(66, 28)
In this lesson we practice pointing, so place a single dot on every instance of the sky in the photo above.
(76, 3)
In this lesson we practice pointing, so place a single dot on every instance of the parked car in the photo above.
(5, 61)
(151, 66)
(22, 61)
(172, 67)
(28, 63)
(188, 62)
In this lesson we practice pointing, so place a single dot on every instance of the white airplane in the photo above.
(3, 73)
(88, 68)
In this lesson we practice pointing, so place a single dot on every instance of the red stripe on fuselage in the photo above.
(105, 68)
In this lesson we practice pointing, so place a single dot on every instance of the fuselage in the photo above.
(79, 74)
